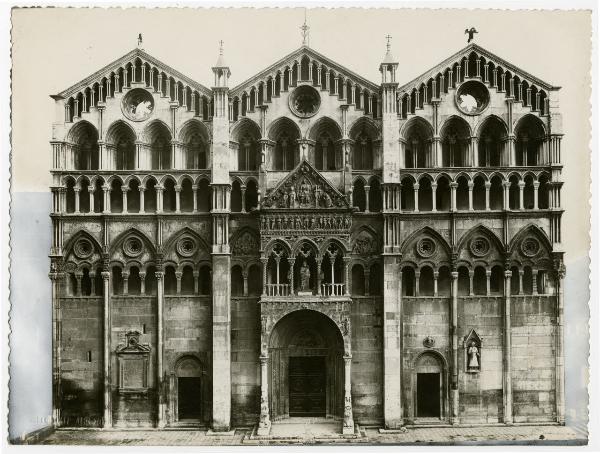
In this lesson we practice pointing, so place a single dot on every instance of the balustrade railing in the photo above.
(278, 290)
(332, 289)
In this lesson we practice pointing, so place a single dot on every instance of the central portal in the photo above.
(306, 367)
(307, 376)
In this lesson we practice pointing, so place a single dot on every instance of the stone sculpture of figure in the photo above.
(292, 200)
(285, 200)
(326, 200)
(473, 354)
(304, 193)
(304, 277)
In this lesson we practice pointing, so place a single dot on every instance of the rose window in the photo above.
(83, 248)
(480, 246)
(530, 247)
(305, 101)
(186, 247)
(133, 246)
(472, 97)
(426, 247)
(138, 104)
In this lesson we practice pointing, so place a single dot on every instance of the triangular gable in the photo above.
(465, 52)
(130, 58)
(298, 54)
(305, 188)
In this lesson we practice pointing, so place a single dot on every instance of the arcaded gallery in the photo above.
(307, 243)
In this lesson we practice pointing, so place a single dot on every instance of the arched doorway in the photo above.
(306, 367)
(429, 385)
(190, 391)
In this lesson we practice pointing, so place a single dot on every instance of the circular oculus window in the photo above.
(530, 247)
(133, 246)
(138, 104)
(472, 97)
(186, 247)
(480, 246)
(305, 101)
(426, 247)
(83, 248)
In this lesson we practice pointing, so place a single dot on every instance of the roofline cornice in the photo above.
(128, 58)
(465, 51)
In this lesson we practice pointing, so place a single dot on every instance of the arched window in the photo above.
(117, 281)
(121, 138)
(151, 281)
(169, 197)
(85, 146)
(496, 193)
(362, 155)
(529, 141)
(204, 202)
(134, 282)
(408, 281)
(528, 193)
(480, 281)
(491, 145)
(497, 280)
(195, 152)
(247, 153)
(236, 197)
(116, 197)
(425, 194)
(455, 143)
(418, 151)
(462, 193)
(159, 142)
(479, 193)
(544, 193)
(359, 195)
(186, 196)
(150, 196)
(251, 195)
(513, 193)
(464, 281)
(70, 196)
(133, 197)
(187, 281)
(325, 153)
(375, 196)
(170, 282)
(407, 195)
(426, 281)
(285, 152)
(98, 196)
(237, 281)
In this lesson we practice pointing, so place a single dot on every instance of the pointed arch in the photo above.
(170, 245)
(530, 230)
(483, 230)
(118, 241)
(430, 232)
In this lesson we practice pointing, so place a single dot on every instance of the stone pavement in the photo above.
(319, 432)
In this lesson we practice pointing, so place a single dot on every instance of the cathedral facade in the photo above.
(307, 244)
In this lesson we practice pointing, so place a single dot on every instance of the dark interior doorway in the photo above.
(428, 395)
(189, 397)
(307, 385)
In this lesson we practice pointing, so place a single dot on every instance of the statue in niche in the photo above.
(326, 200)
(304, 277)
(473, 357)
(292, 201)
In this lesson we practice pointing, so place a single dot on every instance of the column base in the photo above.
(347, 429)
(264, 430)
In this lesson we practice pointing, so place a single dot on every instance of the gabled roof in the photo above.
(297, 55)
(129, 58)
(290, 192)
(464, 52)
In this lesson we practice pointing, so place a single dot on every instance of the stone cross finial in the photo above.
(388, 45)
(221, 47)
(305, 31)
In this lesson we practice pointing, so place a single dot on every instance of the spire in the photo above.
(305, 32)
(221, 60)
(389, 58)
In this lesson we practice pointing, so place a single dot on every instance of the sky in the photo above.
(55, 48)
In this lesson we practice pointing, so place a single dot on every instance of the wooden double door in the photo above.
(307, 385)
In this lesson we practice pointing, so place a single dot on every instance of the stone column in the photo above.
(178, 276)
(124, 190)
(196, 275)
(454, 419)
(142, 190)
(77, 191)
(142, 282)
(521, 188)
(534, 290)
(453, 187)
(507, 388)
(367, 189)
(195, 198)
(471, 287)
(348, 425)
(506, 199)
(125, 276)
(417, 283)
(106, 359)
(177, 199)
(91, 197)
(433, 197)
(521, 273)
(264, 423)
(560, 359)
(416, 195)
(347, 261)
(488, 185)
(488, 275)
(536, 186)
(318, 260)
(470, 186)
(245, 277)
(264, 261)
(159, 349)
(56, 387)
(291, 262)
